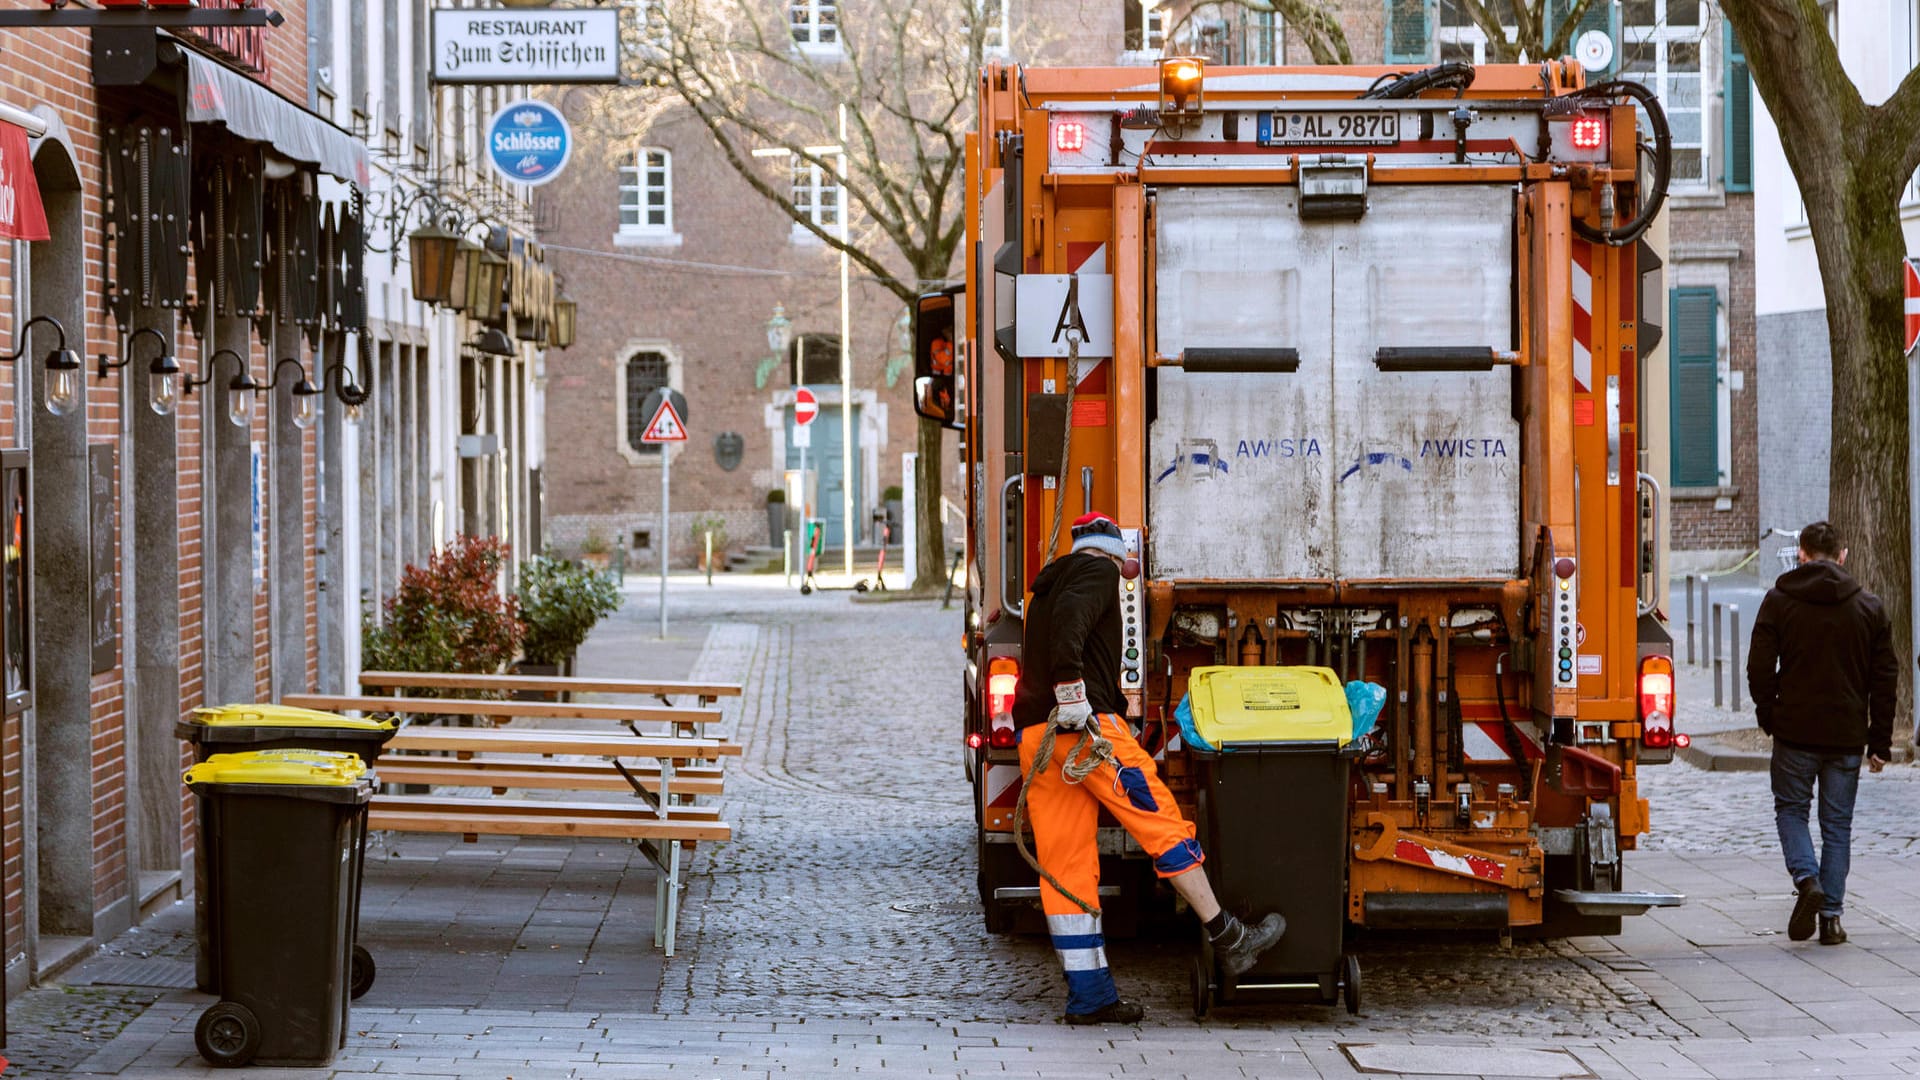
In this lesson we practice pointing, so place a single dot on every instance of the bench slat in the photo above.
(539, 774)
(493, 823)
(577, 684)
(555, 741)
(460, 804)
(550, 710)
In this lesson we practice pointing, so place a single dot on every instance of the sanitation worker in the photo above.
(1071, 660)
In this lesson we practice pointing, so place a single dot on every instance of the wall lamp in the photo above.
(306, 396)
(347, 388)
(62, 364)
(239, 405)
(163, 373)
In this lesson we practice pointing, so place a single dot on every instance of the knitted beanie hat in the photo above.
(1097, 532)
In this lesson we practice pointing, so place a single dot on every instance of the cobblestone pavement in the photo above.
(839, 932)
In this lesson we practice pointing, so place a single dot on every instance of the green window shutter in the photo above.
(1693, 360)
(1739, 110)
(1410, 30)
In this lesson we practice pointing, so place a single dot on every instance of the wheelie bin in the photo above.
(1272, 804)
(265, 726)
(280, 828)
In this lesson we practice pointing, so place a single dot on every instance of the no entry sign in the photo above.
(1913, 304)
(806, 406)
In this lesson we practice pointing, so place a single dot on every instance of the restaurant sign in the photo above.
(546, 45)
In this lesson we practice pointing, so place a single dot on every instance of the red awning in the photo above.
(21, 215)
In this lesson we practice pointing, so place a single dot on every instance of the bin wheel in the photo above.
(227, 1035)
(1350, 984)
(1202, 989)
(361, 979)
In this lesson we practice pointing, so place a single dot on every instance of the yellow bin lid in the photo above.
(1269, 704)
(267, 714)
(307, 768)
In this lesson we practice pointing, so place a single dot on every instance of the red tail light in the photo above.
(974, 741)
(1589, 133)
(1656, 702)
(1003, 675)
(1069, 136)
(1004, 737)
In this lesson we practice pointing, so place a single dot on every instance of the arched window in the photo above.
(646, 372)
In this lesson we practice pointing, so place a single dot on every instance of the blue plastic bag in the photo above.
(1365, 700)
(1184, 714)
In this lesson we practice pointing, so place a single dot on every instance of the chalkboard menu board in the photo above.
(101, 505)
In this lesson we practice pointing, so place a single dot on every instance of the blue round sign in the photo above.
(529, 142)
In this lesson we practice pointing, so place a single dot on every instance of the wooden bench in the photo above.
(706, 693)
(662, 828)
(683, 720)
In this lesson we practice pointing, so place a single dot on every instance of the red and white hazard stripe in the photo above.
(1003, 786)
(1485, 742)
(1582, 316)
(1412, 851)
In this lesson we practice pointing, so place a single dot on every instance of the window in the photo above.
(1660, 45)
(816, 197)
(646, 193)
(1145, 25)
(1409, 26)
(646, 371)
(1460, 38)
(816, 24)
(1694, 366)
(993, 26)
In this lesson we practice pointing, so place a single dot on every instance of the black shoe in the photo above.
(1800, 926)
(1120, 1012)
(1831, 932)
(1239, 946)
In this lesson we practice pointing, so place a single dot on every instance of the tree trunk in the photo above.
(1862, 266)
(931, 540)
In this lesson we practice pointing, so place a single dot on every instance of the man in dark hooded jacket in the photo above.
(1823, 675)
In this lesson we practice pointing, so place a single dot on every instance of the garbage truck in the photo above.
(1360, 358)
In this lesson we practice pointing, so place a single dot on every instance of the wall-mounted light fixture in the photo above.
(239, 402)
(306, 396)
(494, 342)
(163, 372)
(779, 339)
(566, 316)
(432, 249)
(62, 364)
(346, 386)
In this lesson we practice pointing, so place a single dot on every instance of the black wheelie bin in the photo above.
(280, 828)
(226, 729)
(1273, 805)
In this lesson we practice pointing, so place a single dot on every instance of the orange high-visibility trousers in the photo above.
(1066, 820)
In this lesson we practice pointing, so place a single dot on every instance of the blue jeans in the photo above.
(1794, 773)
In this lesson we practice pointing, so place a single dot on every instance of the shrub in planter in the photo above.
(448, 615)
(560, 602)
(705, 526)
(596, 551)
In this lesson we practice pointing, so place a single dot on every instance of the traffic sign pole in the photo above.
(666, 528)
(666, 428)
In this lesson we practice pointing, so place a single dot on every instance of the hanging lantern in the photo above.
(434, 250)
(565, 312)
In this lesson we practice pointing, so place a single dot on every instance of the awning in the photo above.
(22, 217)
(218, 95)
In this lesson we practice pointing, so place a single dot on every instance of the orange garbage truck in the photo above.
(1358, 358)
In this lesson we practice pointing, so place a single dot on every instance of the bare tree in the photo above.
(759, 76)
(1851, 160)
(1311, 23)
(1518, 31)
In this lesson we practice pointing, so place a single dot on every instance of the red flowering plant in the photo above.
(450, 615)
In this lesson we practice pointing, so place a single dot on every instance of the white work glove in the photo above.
(1071, 711)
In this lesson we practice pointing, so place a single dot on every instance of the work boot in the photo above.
(1119, 1012)
(1805, 908)
(1238, 946)
(1831, 932)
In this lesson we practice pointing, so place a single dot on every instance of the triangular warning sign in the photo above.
(665, 425)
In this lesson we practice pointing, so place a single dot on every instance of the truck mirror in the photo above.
(933, 357)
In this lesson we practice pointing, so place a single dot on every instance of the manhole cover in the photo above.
(1466, 1061)
(937, 907)
(159, 973)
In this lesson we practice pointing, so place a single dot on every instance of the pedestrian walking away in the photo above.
(1823, 675)
(1071, 680)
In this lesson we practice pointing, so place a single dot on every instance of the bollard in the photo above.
(1717, 665)
(786, 555)
(1706, 609)
(709, 535)
(1733, 631)
(1690, 655)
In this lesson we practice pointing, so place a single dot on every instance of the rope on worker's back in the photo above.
(1066, 430)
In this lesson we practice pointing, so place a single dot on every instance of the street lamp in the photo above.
(846, 334)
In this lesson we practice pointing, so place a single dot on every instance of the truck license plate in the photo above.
(1331, 129)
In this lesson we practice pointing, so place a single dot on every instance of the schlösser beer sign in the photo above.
(535, 45)
(529, 142)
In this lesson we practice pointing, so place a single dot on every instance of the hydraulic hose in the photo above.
(1452, 75)
(1656, 196)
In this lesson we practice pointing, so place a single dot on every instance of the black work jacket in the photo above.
(1072, 632)
(1821, 666)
